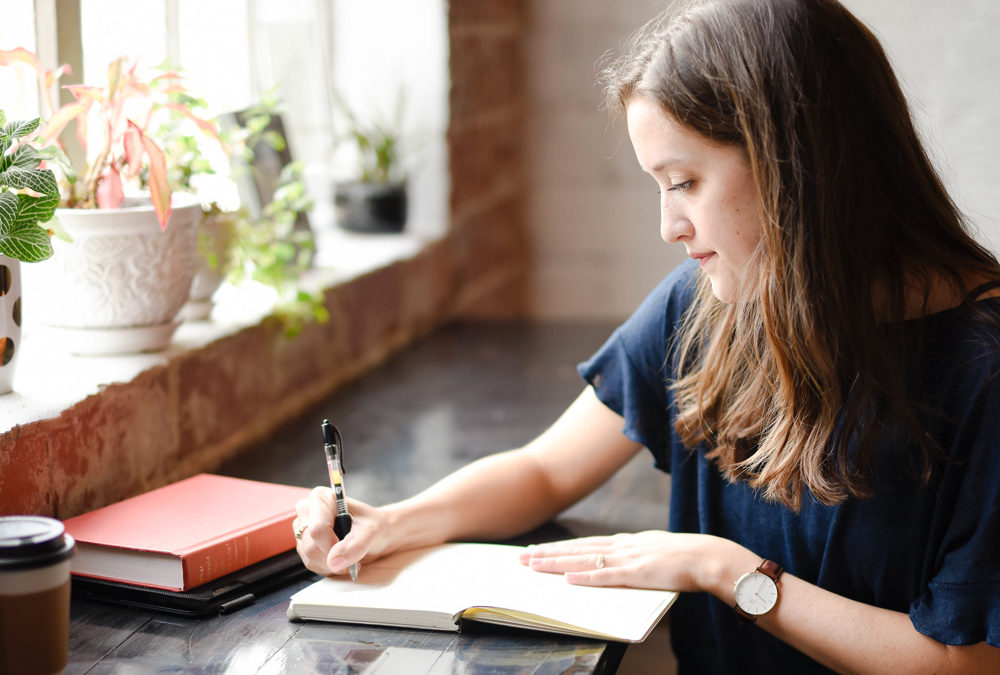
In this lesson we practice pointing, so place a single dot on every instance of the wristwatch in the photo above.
(757, 592)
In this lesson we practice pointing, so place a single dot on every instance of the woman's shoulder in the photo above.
(960, 354)
(969, 332)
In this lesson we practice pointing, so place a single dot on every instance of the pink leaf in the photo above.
(51, 76)
(159, 187)
(85, 93)
(205, 125)
(19, 55)
(110, 194)
(62, 117)
(134, 150)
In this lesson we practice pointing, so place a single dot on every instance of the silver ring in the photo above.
(600, 562)
(299, 531)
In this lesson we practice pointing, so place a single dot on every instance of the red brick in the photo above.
(25, 476)
(113, 445)
(485, 12)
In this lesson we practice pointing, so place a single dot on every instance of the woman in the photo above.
(820, 380)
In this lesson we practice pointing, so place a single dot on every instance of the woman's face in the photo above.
(708, 199)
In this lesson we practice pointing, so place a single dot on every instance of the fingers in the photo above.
(317, 544)
(577, 555)
(313, 526)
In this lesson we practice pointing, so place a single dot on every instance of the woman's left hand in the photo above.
(651, 559)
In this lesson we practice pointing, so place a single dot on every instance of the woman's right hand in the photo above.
(320, 549)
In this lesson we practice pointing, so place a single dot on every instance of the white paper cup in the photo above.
(34, 595)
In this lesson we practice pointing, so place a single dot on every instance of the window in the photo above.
(232, 51)
(18, 91)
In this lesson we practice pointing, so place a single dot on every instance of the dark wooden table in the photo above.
(466, 391)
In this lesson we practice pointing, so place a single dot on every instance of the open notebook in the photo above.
(436, 588)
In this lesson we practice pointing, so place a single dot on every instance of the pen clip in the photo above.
(332, 438)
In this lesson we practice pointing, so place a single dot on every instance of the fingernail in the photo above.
(336, 564)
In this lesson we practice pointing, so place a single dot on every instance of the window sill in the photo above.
(79, 432)
(49, 380)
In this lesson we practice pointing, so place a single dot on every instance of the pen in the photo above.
(333, 445)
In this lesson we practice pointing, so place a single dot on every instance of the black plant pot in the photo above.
(370, 207)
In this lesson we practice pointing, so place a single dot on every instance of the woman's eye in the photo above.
(681, 187)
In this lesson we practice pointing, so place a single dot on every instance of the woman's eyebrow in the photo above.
(665, 164)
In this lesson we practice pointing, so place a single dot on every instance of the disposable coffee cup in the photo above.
(34, 595)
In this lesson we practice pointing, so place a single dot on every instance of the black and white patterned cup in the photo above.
(10, 320)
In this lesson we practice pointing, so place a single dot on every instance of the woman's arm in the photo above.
(492, 498)
(840, 633)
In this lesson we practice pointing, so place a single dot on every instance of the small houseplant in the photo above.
(120, 284)
(28, 198)
(375, 199)
(234, 245)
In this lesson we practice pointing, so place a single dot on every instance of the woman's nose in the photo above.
(675, 228)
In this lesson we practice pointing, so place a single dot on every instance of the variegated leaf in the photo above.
(20, 128)
(26, 242)
(42, 181)
(36, 209)
(25, 157)
(8, 210)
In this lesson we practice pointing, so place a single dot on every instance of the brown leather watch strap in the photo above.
(746, 617)
(771, 569)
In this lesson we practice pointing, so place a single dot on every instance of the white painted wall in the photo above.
(592, 215)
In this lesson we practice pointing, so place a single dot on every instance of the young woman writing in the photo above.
(820, 380)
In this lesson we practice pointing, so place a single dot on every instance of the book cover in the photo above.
(437, 588)
(187, 533)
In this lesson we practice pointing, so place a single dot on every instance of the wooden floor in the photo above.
(466, 391)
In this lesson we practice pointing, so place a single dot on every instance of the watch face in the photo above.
(756, 593)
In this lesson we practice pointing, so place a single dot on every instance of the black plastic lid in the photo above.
(27, 542)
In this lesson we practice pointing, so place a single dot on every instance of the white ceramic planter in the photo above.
(10, 320)
(118, 286)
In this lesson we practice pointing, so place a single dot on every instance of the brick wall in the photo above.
(487, 240)
(204, 405)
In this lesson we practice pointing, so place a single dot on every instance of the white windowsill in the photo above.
(49, 380)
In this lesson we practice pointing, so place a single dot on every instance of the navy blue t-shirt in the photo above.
(932, 551)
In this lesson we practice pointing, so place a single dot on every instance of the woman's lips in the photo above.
(702, 258)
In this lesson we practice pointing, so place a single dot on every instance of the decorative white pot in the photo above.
(118, 286)
(10, 320)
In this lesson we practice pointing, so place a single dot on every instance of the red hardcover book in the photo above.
(187, 533)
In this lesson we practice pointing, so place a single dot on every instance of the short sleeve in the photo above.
(961, 603)
(630, 372)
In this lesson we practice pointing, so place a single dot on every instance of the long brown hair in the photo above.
(855, 222)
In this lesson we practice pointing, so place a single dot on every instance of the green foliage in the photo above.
(271, 251)
(29, 194)
(378, 143)
(267, 249)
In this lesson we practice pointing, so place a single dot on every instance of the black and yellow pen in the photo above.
(334, 447)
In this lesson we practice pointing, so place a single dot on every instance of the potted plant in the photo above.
(233, 245)
(375, 199)
(28, 198)
(119, 285)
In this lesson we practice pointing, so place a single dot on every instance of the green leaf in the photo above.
(26, 242)
(36, 209)
(42, 181)
(21, 128)
(8, 210)
(25, 157)
(21, 237)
